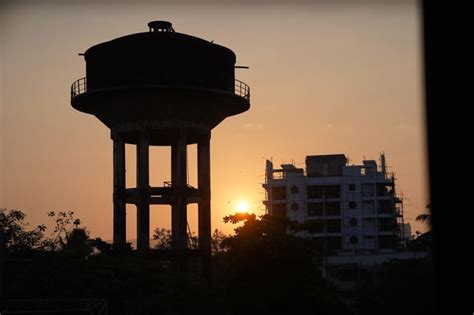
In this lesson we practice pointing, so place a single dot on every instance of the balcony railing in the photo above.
(80, 86)
(241, 89)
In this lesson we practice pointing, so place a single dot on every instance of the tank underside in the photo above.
(164, 109)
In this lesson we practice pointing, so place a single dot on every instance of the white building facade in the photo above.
(353, 209)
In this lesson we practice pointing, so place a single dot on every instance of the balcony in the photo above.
(79, 87)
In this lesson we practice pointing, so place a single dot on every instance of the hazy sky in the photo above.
(341, 78)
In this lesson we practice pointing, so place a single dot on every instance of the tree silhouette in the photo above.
(64, 223)
(217, 239)
(274, 267)
(78, 243)
(162, 237)
(16, 237)
(425, 217)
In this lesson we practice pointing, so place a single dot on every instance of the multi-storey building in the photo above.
(352, 209)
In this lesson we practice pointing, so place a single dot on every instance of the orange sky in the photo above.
(324, 79)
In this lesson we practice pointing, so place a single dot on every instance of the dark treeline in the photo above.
(261, 269)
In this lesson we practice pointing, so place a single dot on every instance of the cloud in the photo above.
(252, 127)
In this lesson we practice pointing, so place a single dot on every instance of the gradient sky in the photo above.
(343, 78)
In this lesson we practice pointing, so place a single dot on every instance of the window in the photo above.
(332, 191)
(327, 191)
(333, 226)
(352, 204)
(352, 187)
(332, 208)
(385, 206)
(386, 224)
(295, 207)
(315, 192)
(315, 209)
(279, 193)
(315, 226)
(294, 189)
(384, 190)
(279, 209)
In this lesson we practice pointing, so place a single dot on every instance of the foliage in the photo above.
(422, 242)
(100, 246)
(274, 267)
(16, 237)
(162, 237)
(163, 240)
(217, 239)
(66, 237)
(193, 242)
(78, 243)
(425, 217)
(264, 268)
(401, 285)
(64, 224)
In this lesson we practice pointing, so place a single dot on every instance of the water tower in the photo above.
(161, 88)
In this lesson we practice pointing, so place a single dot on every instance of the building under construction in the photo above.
(354, 209)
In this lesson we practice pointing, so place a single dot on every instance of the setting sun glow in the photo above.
(242, 206)
(312, 92)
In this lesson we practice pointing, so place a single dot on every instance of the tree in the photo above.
(100, 246)
(67, 235)
(275, 268)
(15, 235)
(400, 285)
(78, 243)
(217, 240)
(425, 217)
(163, 238)
(64, 223)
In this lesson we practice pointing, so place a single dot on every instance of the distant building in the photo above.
(354, 208)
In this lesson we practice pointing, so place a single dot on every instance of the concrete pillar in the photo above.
(204, 206)
(119, 198)
(181, 197)
(174, 204)
(204, 186)
(143, 191)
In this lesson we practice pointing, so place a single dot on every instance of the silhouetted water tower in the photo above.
(161, 88)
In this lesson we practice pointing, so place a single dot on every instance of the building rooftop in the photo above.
(325, 165)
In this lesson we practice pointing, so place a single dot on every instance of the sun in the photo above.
(242, 206)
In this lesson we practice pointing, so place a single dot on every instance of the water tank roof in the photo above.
(160, 32)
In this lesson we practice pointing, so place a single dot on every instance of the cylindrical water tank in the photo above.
(160, 58)
(160, 75)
